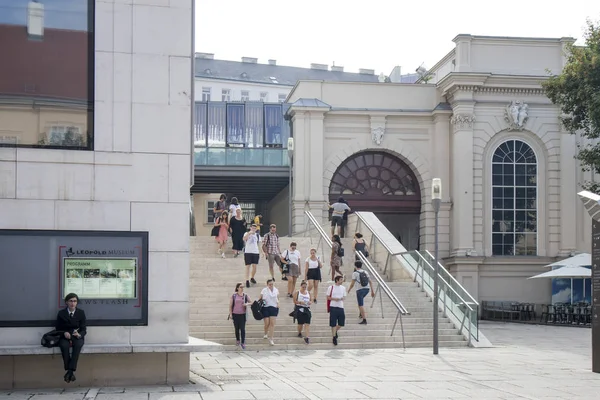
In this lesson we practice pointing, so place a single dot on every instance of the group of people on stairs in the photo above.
(254, 247)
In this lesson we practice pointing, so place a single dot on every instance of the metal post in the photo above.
(290, 196)
(290, 153)
(436, 199)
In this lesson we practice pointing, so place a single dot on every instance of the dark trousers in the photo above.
(70, 361)
(239, 324)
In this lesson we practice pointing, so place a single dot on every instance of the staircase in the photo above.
(213, 279)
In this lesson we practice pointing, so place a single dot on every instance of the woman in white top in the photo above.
(293, 256)
(251, 253)
(312, 273)
(233, 206)
(270, 295)
(302, 308)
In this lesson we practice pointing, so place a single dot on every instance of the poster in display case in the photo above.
(100, 278)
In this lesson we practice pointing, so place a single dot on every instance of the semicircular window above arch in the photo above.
(374, 174)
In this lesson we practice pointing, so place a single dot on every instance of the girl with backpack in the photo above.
(363, 283)
(337, 252)
(237, 311)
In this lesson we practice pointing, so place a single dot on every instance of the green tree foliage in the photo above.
(577, 92)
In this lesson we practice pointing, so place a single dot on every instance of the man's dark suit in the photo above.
(66, 323)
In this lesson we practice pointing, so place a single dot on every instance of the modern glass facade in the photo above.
(46, 73)
(241, 133)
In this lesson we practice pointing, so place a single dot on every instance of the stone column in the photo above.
(440, 162)
(461, 188)
(300, 128)
(308, 164)
(314, 175)
(568, 196)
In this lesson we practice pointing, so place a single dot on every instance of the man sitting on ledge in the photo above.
(71, 320)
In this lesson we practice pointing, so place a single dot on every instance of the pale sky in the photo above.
(374, 34)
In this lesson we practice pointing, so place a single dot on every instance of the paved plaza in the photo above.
(527, 362)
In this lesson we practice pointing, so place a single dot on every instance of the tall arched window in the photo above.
(514, 200)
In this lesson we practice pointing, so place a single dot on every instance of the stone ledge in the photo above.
(193, 345)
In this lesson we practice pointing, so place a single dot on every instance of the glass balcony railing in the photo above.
(258, 157)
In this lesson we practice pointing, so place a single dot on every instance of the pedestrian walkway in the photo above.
(528, 362)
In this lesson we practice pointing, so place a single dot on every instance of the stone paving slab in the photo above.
(528, 362)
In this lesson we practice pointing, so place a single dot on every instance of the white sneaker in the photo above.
(272, 342)
(222, 255)
(265, 337)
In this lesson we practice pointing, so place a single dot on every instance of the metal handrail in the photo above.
(445, 282)
(380, 282)
(453, 278)
(391, 252)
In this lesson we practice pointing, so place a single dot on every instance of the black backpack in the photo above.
(256, 308)
(340, 251)
(364, 279)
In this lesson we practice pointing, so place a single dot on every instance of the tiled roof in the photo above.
(263, 73)
(53, 66)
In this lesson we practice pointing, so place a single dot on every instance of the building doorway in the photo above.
(382, 183)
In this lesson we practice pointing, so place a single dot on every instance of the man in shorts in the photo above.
(337, 216)
(271, 250)
(337, 318)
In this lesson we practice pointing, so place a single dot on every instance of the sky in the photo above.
(374, 34)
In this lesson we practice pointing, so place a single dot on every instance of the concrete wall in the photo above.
(203, 226)
(138, 177)
(279, 211)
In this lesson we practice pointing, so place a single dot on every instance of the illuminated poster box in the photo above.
(100, 278)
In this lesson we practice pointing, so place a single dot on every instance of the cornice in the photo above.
(526, 85)
(497, 90)
(510, 90)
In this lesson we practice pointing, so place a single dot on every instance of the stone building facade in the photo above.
(485, 127)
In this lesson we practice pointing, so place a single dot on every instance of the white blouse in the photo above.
(270, 297)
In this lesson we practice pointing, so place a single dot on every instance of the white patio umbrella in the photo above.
(566, 272)
(583, 259)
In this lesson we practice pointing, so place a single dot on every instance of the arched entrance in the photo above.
(382, 183)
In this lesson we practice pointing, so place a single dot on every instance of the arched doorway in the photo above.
(382, 183)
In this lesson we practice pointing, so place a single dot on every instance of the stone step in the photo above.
(327, 339)
(342, 345)
(325, 331)
(213, 278)
(375, 321)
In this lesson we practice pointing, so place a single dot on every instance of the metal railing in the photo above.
(456, 302)
(382, 286)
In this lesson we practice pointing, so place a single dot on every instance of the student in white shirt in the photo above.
(252, 241)
(337, 318)
(270, 295)
(293, 273)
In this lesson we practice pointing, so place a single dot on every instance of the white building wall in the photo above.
(138, 176)
(255, 89)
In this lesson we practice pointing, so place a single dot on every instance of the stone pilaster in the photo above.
(461, 187)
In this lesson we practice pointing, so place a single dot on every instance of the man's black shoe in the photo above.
(335, 340)
(252, 281)
(247, 284)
